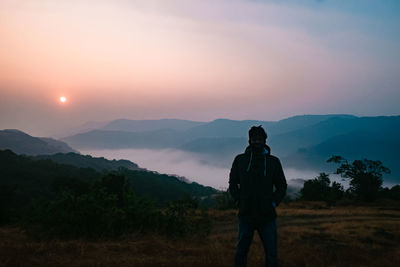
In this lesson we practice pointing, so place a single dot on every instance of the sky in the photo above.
(195, 59)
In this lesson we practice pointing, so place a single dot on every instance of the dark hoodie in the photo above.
(252, 179)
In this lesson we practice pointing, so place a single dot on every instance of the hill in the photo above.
(87, 161)
(181, 134)
(303, 142)
(290, 142)
(353, 145)
(126, 125)
(30, 178)
(101, 139)
(22, 143)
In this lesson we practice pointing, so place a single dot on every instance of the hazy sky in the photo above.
(195, 59)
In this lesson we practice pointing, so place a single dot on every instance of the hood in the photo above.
(267, 150)
(251, 150)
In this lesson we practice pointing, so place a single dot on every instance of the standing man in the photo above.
(258, 185)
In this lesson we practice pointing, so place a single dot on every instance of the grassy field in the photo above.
(309, 234)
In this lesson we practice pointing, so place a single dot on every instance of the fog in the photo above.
(170, 161)
(194, 167)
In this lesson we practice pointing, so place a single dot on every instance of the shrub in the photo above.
(392, 193)
(108, 209)
(182, 218)
(7, 204)
(319, 189)
(224, 201)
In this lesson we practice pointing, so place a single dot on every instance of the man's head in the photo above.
(257, 135)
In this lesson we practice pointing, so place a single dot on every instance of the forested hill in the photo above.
(302, 142)
(22, 143)
(23, 178)
(87, 161)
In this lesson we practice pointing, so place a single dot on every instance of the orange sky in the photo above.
(196, 60)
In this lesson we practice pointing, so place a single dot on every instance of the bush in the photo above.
(7, 204)
(393, 193)
(319, 189)
(110, 208)
(182, 218)
(224, 201)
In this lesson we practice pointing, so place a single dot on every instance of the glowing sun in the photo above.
(63, 99)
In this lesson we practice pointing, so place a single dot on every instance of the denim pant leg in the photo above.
(246, 232)
(268, 235)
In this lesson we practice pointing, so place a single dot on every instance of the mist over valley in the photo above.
(204, 151)
(196, 168)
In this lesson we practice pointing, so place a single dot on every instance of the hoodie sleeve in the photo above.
(234, 180)
(279, 181)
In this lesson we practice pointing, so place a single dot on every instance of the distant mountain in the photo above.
(300, 140)
(302, 121)
(159, 134)
(88, 126)
(87, 161)
(126, 125)
(354, 145)
(233, 128)
(101, 139)
(224, 128)
(215, 145)
(289, 142)
(285, 136)
(22, 143)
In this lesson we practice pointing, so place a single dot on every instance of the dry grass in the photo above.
(309, 235)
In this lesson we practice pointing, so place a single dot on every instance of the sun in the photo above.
(63, 99)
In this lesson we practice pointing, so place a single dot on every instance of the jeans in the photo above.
(268, 235)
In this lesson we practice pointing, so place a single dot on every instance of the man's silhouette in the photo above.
(258, 185)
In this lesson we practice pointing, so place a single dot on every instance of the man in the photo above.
(252, 179)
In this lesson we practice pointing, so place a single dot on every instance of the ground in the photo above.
(309, 234)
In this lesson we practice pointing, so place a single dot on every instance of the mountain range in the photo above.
(22, 143)
(303, 142)
(54, 159)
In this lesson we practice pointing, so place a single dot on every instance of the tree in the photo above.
(319, 189)
(393, 193)
(365, 176)
(337, 190)
(316, 189)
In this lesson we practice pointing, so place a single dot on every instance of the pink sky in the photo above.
(197, 60)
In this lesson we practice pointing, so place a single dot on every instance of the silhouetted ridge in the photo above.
(87, 161)
(22, 143)
(216, 142)
(38, 177)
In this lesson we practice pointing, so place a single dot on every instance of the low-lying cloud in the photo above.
(190, 165)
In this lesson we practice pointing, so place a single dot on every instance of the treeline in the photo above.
(57, 200)
(365, 183)
(110, 208)
(52, 200)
